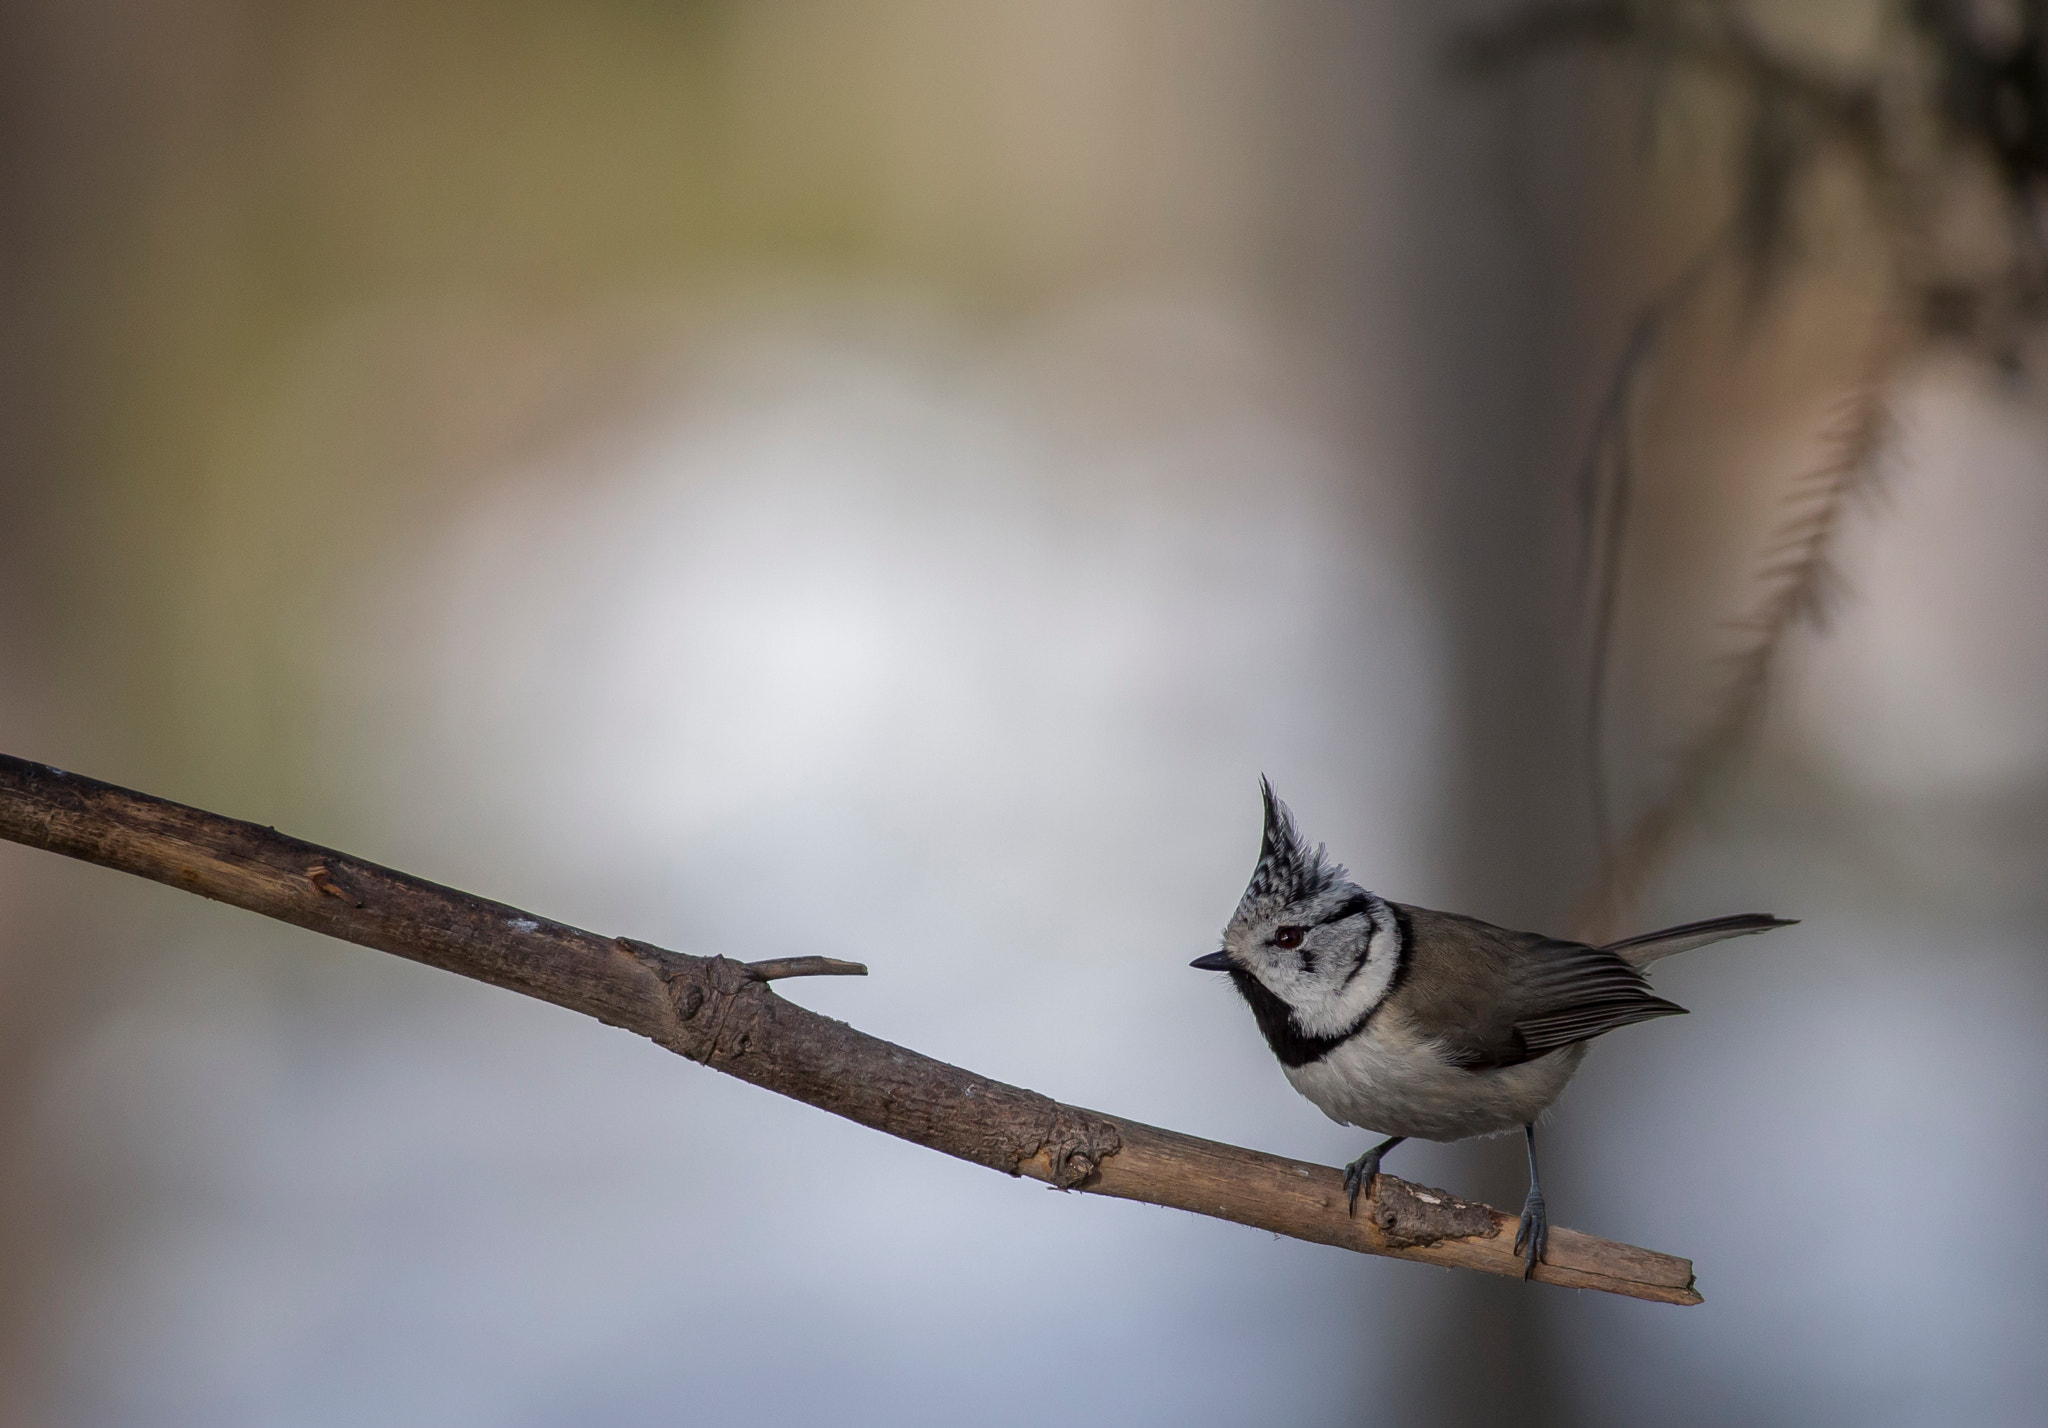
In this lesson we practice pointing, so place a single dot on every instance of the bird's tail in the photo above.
(1641, 951)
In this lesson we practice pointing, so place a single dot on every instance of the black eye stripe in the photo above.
(1350, 907)
(1365, 905)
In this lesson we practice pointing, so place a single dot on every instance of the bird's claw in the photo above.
(1533, 1234)
(1359, 1175)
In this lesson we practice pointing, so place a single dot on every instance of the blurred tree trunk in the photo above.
(1497, 362)
(49, 170)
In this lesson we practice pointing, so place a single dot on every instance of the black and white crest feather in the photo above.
(1289, 870)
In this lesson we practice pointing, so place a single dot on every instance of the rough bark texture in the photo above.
(717, 1012)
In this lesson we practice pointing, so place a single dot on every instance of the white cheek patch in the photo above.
(1366, 986)
(1280, 976)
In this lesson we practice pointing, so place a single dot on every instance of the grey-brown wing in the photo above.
(1495, 997)
(1575, 992)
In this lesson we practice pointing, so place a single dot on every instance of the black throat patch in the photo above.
(1276, 1020)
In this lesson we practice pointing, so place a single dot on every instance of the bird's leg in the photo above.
(1534, 1231)
(1359, 1173)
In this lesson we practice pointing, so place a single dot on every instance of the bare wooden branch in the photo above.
(721, 1013)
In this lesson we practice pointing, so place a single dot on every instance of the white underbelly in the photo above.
(1394, 1082)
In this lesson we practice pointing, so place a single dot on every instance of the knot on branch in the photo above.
(1408, 1215)
(1075, 1145)
(702, 992)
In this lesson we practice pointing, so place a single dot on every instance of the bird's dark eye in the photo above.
(1287, 937)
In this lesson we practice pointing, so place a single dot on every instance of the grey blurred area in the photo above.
(884, 480)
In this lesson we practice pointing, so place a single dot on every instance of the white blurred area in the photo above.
(1937, 687)
(960, 657)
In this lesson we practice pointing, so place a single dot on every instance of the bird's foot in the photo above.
(1358, 1175)
(1533, 1235)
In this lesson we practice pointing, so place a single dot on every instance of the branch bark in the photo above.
(724, 1015)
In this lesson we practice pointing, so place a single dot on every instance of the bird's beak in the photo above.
(1214, 962)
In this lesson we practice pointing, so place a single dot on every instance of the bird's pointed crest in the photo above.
(1288, 870)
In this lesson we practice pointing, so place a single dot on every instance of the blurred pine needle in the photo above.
(1949, 106)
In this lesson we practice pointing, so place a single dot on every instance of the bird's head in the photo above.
(1303, 931)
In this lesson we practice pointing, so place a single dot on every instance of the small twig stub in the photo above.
(777, 968)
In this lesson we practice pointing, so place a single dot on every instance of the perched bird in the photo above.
(1426, 1024)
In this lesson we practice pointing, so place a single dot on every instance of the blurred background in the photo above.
(884, 480)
